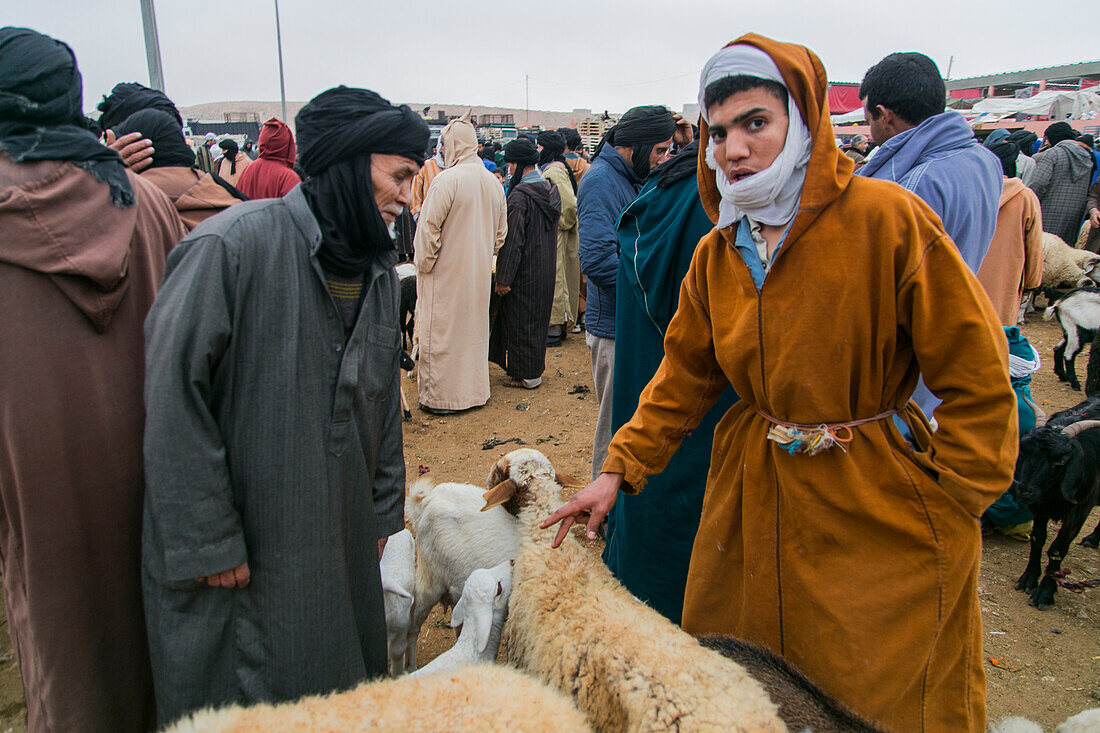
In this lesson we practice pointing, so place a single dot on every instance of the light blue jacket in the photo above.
(940, 161)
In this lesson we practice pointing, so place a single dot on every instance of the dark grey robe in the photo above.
(267, 439)
(527, 264)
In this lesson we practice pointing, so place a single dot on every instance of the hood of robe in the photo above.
(1080, 160)
(1013, 187)
(829, 171)
(459, 143)
(47, 212)
(544, 195)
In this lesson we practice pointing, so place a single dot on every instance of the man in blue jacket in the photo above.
(934, 154)
(638, 143)
(931, 152)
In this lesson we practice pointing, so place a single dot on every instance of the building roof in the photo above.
(1049, 73)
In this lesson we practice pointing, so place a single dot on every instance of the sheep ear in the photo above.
(500, 588)
(389, 586)
(568, 482)
(483, 623)
(498, 473)
(499, 494)
(458, 613)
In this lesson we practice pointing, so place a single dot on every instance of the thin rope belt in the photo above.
(813, 439)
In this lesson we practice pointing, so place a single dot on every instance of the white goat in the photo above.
(453, 539)
(1084, 722)
(398, 571)
(481, 697)
(574, 626)
(480, 612)
(1078, 313)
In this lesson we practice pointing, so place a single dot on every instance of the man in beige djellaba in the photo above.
(462, 225)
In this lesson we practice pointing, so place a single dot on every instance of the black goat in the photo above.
(406, 273)
(1058, 477)
(802, 704)
(1078, 313)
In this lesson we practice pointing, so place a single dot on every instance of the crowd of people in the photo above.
(803, 350)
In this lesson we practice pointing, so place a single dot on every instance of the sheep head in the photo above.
(511, 476)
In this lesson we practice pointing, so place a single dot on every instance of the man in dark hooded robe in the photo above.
(274, 467)
(81, 256)
(524, 278)
(629, 150)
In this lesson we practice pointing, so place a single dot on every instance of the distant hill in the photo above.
(216, 111)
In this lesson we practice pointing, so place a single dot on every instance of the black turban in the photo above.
(523, 153)
(342, 123)
(572, 137)
(553, 149)
(230, 149)
(1025, 140)
(1007, 152)
(170, 150)
(1058, 132)
(130, 97)
(337, 133)
(640, 129)
(41, 95)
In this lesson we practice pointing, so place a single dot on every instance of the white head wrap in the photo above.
(770, 196)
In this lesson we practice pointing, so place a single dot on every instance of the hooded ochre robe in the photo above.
(860, 566)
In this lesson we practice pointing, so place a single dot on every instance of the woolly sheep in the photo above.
(1066, 267)
(572, 625)
(398, 571)
(1015, 725)
(1085, 722)
(453, 539)
(476, 697)
(480, 612)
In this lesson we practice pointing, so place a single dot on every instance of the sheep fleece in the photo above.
(477, 697)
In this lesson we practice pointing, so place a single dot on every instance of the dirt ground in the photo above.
(1047, 663)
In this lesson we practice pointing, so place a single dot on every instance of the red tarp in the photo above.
(965, 93)
(843, 98)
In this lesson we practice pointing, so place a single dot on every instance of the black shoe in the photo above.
(552, 341)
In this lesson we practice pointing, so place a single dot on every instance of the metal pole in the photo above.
(152, 44)
(279, 41)
(527, 100)
(949, 65)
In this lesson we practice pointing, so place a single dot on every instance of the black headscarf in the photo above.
(1007, 152)
(130, 97)
(1025, 140)
(571, 136)
(170, 150)
(553, 149)
(41, 96)
(523, 153)
(231, 150)
(1058, 132)
(640, 129)
(337, 133)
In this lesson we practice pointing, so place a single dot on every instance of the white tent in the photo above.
(856, 115)
(1057, 105)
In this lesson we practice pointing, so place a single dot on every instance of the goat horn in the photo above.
(499, 494)
(1071, 431)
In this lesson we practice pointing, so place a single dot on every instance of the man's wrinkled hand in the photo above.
(1094, 218)
(590, 505)
(136, 151)
(502, 289)
(237, 577)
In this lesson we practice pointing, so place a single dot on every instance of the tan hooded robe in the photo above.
(859, 566)
(567, 278)
(1014, 262)
(462, 225)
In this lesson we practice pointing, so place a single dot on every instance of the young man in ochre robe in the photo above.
(826, 536)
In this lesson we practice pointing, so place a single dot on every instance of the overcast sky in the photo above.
(593, 54)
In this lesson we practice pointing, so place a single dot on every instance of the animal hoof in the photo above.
(1093, 542)
(1042, 599)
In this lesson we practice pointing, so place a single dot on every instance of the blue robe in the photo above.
(650, 535)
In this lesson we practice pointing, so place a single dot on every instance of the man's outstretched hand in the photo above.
(590, 505)
(136, 151)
